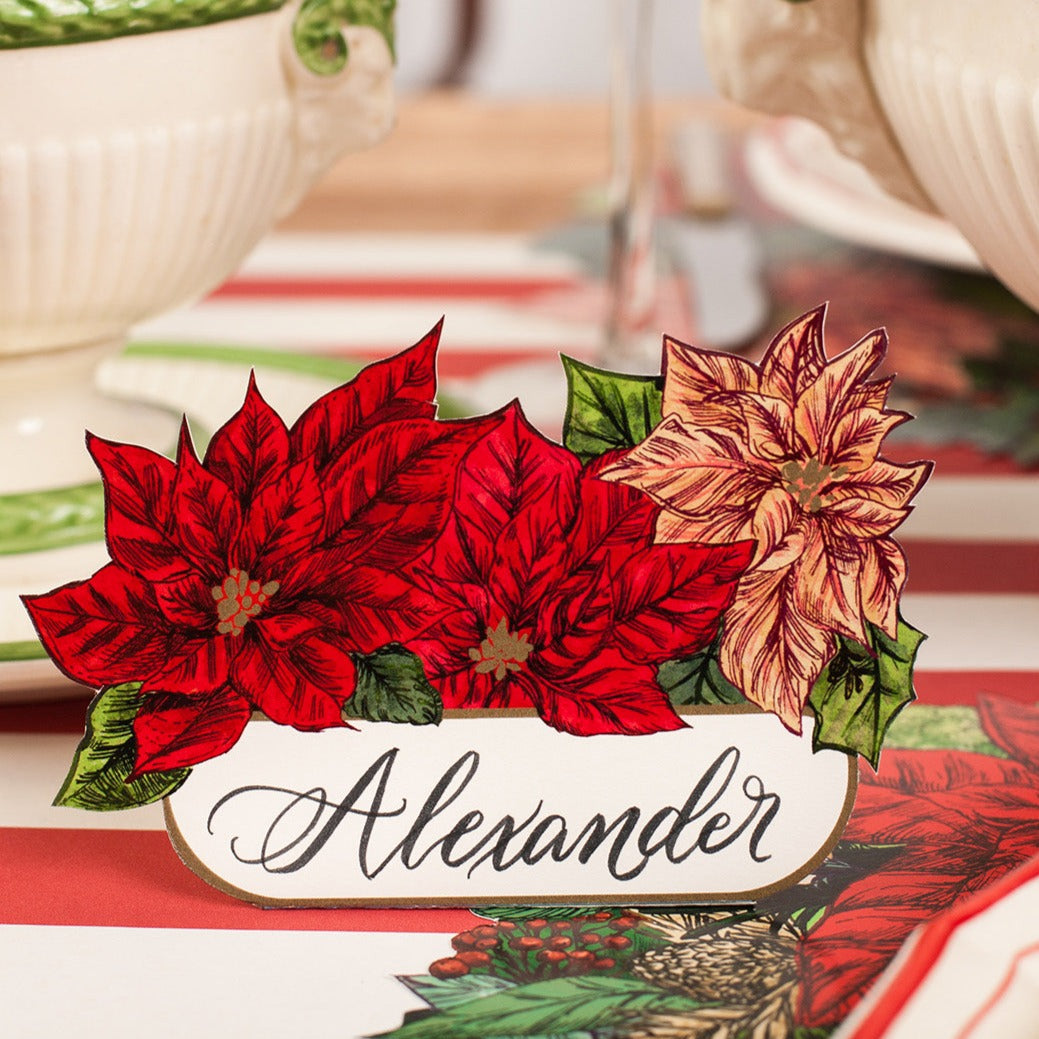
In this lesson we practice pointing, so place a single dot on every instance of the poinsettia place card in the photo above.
(381, 657)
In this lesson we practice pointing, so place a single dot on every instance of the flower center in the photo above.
(238, 599)
(502, 651)
(804, 482)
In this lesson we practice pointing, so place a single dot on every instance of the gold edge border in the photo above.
(192, 861)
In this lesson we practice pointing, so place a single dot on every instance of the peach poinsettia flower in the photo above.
(786, 453)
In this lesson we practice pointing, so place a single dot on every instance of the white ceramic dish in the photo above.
(795, 167)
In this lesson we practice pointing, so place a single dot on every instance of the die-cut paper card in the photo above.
(379, 657)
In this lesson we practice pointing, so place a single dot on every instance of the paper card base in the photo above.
(495, 807)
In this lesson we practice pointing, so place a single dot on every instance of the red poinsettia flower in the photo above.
(962, 820)
(247, 580)
(556, 597)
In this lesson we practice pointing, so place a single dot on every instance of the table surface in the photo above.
(103, 928)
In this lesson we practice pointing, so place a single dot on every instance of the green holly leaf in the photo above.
(697, 680)
(544, 1008)
(99, 779)
(606, 411)
(862, 689)
(447, 993)
(392, 687)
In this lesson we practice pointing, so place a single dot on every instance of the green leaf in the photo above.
(697, 680)
(105, 757)
(862, 689)
(933, 727)
(606, 411)
(544, 1008)
(518, 914)
(392, 687)
(447, 993)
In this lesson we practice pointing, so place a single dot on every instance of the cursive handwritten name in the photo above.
(296, 825)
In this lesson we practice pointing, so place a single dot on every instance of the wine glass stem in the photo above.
(631, 274)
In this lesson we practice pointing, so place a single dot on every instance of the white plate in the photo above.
(796, 168)
(206, 383)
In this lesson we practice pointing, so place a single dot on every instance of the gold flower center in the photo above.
(804, 482)
(502, 651)
(239, 599)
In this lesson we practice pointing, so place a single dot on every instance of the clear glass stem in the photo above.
(631, 274)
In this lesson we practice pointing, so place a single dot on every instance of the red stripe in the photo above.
(978, 567)
(466, 364)
(133, 878)
(962, 688)
(960, 459)
(476, 287)
(930, 945)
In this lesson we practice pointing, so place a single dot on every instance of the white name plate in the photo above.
(495, 807)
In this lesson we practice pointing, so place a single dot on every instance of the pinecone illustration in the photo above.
(745, 969)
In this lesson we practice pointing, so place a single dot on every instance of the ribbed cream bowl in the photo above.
(959, 83)
(135, 175)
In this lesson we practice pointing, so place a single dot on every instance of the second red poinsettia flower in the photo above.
(247, 580)
(556, 597)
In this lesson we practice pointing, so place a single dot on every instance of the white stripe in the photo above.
(976, 632)
(171, 983)
(966, 508)
(461, 256)
(325, 324)
(33, 767)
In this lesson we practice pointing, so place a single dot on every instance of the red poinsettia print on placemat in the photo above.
(556, 597)
(958, 822)
(248, 580)
(785, 452)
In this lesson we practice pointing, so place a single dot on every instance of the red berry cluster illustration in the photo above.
(531, 950)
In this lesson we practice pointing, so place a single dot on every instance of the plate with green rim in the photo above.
(51, 537)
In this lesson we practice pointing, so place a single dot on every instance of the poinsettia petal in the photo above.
(188, 603)
(668, 599)
(402, 386)
(177, 731)
(206, 516)
(826, 590)
(611, 517)
(770, 651)
(769, 427)
(720, 526)
(694, 377)
(774, 520)
(860, 519)
(379, 606)
(795, 358)
(891, 485)
(854, 442)
(608, 694)
(693, 470)
(193, 666)
(389, 493)
(304, 686)
(871, 394)
(138, 493)
(883, 575)
(445, 648)
(102, 631)
(512, 471)
(282, 521)
(467, 688)
(1012, 726)
(251, 448)
(832, 395)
